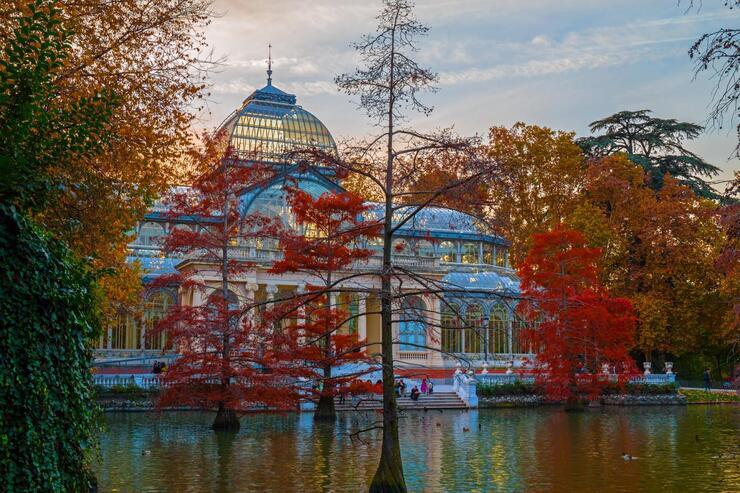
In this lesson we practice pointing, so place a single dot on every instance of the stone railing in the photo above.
(465, 387)
(261, 255)
(134, 357)
(141, 380)
(502, 379)
(412, 355)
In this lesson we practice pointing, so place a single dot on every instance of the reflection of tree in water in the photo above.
(224, 457)
(323, 444)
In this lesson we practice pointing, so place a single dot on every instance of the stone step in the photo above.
(435, 401)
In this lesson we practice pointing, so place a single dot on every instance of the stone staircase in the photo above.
(436, 400)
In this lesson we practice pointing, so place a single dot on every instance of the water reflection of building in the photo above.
(443, 244)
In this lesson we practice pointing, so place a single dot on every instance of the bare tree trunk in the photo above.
(389, 476)
(226, 419)
(325, 410)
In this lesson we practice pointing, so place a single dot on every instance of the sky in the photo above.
(556, 63)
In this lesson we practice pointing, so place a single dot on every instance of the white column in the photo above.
(271, 290)
(142, 339)
(301, 315)
(362, 317)
(251, 290)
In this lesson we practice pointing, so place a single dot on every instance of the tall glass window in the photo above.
(470, 253)
(412, 329)
(349, 303)
(155, 308)
(501, 256)
(488, 254)
(499, 324)
(451, 329)
(473, 332)
(124, 333)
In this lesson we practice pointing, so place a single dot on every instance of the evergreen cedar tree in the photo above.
(576, 326)
(230, 359)
(655, 144)
(327, 238)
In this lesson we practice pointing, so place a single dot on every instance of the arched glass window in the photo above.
(151, 234)
(451, 329)
(155, 308)
(473, 332)
(499, 335)
(424, 248)
(401, 247)
(412, 329)
(447, 251)
(470, 253)
(232, 303)
(375, 243)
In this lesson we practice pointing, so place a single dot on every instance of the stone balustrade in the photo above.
(502, 378)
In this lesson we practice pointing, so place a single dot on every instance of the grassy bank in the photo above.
(702, 396)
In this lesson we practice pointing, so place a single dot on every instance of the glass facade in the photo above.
(451, 333)
(127, 330)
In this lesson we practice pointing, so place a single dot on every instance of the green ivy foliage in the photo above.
(48, 421)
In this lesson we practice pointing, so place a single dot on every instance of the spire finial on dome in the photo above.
(269, 64)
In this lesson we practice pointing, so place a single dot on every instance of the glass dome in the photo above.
(269, 126)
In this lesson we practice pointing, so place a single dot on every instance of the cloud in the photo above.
(540, 40)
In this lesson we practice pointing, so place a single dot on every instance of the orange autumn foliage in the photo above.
(148, 55)
(660, 251)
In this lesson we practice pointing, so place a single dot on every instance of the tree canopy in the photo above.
(660, 251)
(131, 73)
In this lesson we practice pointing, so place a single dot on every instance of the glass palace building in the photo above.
(447, 246)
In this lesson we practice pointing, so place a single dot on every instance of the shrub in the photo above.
(515, 388)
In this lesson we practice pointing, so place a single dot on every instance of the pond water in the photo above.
(690, 449)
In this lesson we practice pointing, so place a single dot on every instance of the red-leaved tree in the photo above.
(327, 239)
(579, 332)
(230, 361)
